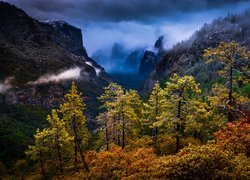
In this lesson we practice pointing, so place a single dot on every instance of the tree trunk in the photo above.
(85, 165)
(178, 127)
(118, 138)
(59, 156)
(177, 138)
(195, 135)
(75, 149)
(155, 130)
(107, 136)
(123, 131)
(118, 131)
(42, 166)
(230, 103)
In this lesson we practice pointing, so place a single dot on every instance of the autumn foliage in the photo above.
(235, 137)
(193, 162)
(177, 133)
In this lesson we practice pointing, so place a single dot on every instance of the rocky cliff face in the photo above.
(151, 58)
(73, 36)
(186, 57)
(132, 62)
(42, 59)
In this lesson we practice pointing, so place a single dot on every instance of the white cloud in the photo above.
(6, 85)
(97, 70)
(74, 73)
(130, 34)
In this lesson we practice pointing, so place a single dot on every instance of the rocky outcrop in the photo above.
(147, 63)
(132, 62)
(186, 57)
(151, 58)
(73, 37)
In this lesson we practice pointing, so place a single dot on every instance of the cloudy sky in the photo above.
(132, 22)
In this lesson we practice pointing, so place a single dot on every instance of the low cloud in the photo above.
(5, 85)
(70, 74)
(97, 70)
(132, 22)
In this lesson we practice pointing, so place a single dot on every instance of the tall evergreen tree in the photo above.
(179, 93)
(119, 114)
(236, 64)
(59, 137)
(154, 110)
(111, 120)
(76, 123)
(51, 144)
(39, 151)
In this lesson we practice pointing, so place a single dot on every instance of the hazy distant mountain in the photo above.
(151, 58)
(186, 57)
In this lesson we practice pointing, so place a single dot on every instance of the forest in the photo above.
(178, 131)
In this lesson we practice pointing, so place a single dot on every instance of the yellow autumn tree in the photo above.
(182, 106)
(51, 144)
(118, 116)
(235, 60)
(72, 111)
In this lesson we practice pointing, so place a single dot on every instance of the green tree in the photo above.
(110, 122)
(180, 93)
(38, 151)
(119, 114)
(76, 123)
(154, 109)
(51, 143)
(135, 102)
(59, 137)
(235, 61)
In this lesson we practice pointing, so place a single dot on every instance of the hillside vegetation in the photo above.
(179, 132)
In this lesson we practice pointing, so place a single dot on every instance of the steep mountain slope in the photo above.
(38, 62)
(30, 49)
(186, 57)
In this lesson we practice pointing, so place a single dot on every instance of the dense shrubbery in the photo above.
(193, 162)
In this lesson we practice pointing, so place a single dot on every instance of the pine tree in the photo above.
(39, 151)
(154, 110)
(109, 119)
(135, 102)
(59, 137)
(51, 143)
(76, 123)
(103, 120)
(201, 122)
(179, 94)
(119, 114)
(236, 64)
(128, 115)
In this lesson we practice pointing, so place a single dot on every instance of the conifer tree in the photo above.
(76, 123)
(59, 137)
(136, 104)
(154, 110)
(38, 151)
(51, 144)
(179, 94)
(128, 117)
(119, 114)
(104, 126)
(236, 64)
(109, 119)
